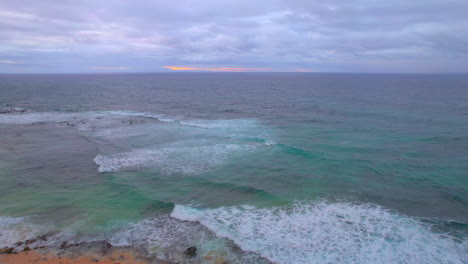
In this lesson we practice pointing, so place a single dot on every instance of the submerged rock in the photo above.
(44, 237)
(215, 257)
(191, 252)
(9, 110)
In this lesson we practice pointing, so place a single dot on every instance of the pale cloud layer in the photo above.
(270, 35)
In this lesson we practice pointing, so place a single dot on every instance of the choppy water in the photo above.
(259, 168)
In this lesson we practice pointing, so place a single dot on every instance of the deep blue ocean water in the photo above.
(256, 167)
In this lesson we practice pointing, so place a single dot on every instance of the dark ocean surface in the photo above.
(256, 167)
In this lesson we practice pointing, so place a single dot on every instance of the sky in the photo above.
(66, 36)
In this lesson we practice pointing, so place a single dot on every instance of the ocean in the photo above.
(254, 167)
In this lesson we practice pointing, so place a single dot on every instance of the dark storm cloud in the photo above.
(363, 35)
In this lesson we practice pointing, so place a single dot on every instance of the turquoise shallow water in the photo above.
(282, 168)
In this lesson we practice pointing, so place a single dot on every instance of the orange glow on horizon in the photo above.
(177, 68)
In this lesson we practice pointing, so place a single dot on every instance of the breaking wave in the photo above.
(14, 229)
(185, 160)
(57, 117)
(324, 232)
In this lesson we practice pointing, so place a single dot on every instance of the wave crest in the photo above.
(324, 232)
(185, 160)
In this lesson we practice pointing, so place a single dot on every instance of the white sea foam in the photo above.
(179, 159)
(160, 117)
(14, 229)
(123, 129)
(224, 124)
(159, 235)
(167, 238)
(55, 117)
(17, 229)
(92, 120)
(29, 118)
(324, 232)
(232, 128)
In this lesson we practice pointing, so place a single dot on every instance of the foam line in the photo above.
(324, 232)
(186, 160)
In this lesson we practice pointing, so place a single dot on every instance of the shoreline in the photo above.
(92, 252)
(100, 252)
(114, 256)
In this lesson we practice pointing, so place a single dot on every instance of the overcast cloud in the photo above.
(261, 35)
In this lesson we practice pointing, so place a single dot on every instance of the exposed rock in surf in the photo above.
(99, 246)
(30, 241)
(7, 250)
(191, 252)
(26, 248)
(39, 247)
(65, 245)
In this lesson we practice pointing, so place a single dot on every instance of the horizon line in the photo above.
(231, 72)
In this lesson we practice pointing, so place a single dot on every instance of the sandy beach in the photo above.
(100, 252)
(33, 256)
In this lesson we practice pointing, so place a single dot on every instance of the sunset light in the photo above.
(240, 131)
(177, 68)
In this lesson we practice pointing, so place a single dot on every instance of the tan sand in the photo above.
(35, 257)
